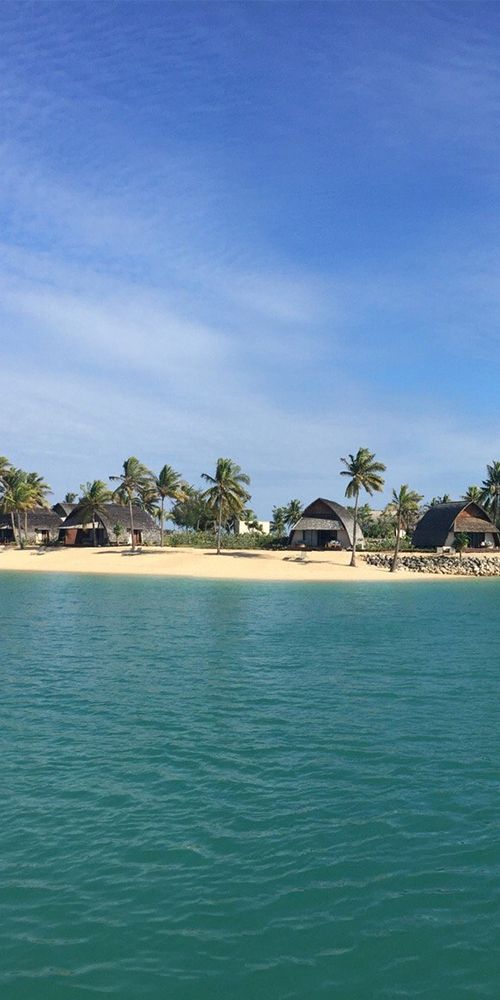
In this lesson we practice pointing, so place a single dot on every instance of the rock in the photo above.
(451, 565)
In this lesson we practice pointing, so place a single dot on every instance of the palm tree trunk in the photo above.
(161, 528)
(132, 537)
(19, 532)
(355, 531)
(93, 529)
(396, 547)
(219, 527)
(13, 523)
(26, 526)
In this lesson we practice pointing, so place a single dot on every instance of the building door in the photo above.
(326, 536)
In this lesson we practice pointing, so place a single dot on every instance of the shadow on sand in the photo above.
(305, 560)
(129, 552)
(46, 550)
(240, 554)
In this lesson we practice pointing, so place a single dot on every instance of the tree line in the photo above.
(226, 498)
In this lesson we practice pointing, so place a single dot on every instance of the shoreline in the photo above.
(231, 564)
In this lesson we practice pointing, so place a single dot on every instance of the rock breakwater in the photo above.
(449, 565)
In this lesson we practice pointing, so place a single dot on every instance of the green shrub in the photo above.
(386, 545)
(207, 540)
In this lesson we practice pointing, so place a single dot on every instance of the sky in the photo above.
(267, 231)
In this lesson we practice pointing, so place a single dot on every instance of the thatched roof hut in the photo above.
(442, 522)
(76, 531)
(43, 525)
(325, 523)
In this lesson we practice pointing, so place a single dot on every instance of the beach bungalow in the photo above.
(75, 531)
(325, 524)
(43, 526)
(442, 522)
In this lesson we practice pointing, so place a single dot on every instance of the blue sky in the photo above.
(263, 230)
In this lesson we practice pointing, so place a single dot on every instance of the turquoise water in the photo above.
(221, 790)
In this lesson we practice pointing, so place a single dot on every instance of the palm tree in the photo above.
(278, 523)
(366, 520)
(169, 486)
(250, 519)
(22, 491)
(473, 493)
(133, 479)
(405, 503)
(364, 474)
(92, 503)
(117, 531)
(437, 500)
(490, 495)
(39, 489)
(293, 513)
(17, 497)
(147, 499)
(461, 542)
(70, 497)
(226, 494)
(5, 466)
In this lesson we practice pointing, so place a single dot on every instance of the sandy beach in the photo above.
(203, 563)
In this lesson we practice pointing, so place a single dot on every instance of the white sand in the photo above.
(203, 563)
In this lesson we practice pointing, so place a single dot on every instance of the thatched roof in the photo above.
(38, 519)
(317, 513)
(114, 513)
(474, 525)
(316, 524)
(63, 509)
(434, 527)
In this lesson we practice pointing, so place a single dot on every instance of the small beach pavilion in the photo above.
(325, 524)
(442, 522)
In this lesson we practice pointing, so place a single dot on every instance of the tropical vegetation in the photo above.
(284, 518)
(473, 493)
(192, 512)
(437, 500)
(461, 542)
(20, 492)
(490, 495)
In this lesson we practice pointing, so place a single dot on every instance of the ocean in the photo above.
(246, 790)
